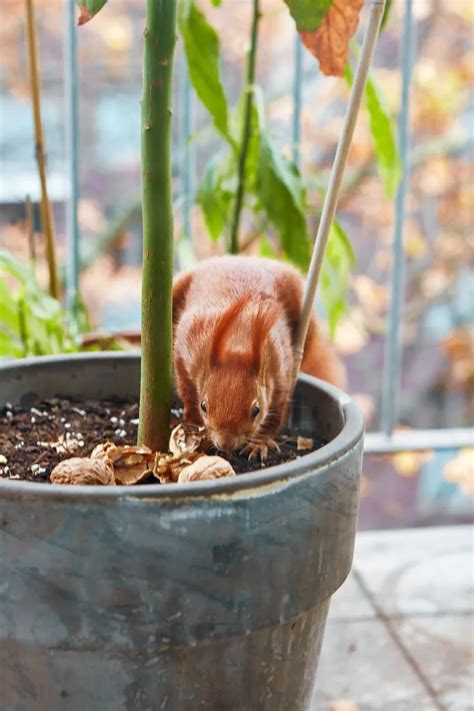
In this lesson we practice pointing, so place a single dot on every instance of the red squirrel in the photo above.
(235, 321)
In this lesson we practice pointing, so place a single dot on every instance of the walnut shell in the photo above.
(184, 440)
(206, 468)
(83, 470)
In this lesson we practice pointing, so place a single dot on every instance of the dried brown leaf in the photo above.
(83, 470)
(84, 15)
(330, 42)
(206, 468)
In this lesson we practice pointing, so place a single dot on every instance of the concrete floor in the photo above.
(400, 634)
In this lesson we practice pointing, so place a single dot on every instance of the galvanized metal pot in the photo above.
(209, 595)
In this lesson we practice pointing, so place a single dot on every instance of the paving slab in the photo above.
(443, 648)
(360, 663)
(400, 634)
(418, 571)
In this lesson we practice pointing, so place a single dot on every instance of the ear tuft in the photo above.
(222, 329)
(265, 316)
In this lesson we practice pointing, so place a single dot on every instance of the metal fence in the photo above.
(388, 439)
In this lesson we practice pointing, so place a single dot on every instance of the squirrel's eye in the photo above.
(203, 406)
(255, 410)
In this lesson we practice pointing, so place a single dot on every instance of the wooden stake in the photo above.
(45, 207)
(332, 195)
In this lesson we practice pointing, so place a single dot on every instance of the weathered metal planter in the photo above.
(210, 595)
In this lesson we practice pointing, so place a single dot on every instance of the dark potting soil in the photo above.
(34, 439)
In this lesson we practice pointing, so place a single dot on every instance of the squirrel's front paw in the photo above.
(260, 449)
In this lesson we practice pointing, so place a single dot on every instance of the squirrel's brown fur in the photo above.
(235, 321)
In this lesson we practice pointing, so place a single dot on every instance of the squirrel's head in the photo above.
(235, 398)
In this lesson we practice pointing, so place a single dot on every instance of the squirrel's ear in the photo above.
(222, 330)
(264, 318)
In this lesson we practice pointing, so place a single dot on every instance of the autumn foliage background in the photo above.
(438, 364)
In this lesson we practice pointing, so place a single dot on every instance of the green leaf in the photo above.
(8, 308)
(383, 135)
(338, 261)
(13, 266)
(266, 248)
(201, 44)
(308, 14)
(216, 3)
(10, 345)
(214, 198)
(31, 321)
(281, 193)
(386, 15)
(88, 8)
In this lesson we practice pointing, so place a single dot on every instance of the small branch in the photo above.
(244, 144)
(46, 210)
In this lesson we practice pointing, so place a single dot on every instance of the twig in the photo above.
(246, 126)
(332, 195)
(46, 211)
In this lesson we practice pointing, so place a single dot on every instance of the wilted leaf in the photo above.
(330, 42)
(281, 193)
(201, 44)
(206, 468)
(382, 129)
(88, 8)
(308, 14)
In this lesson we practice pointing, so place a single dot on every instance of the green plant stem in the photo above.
(244, 144)
(156, 363)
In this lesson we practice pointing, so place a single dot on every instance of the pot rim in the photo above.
(350, 435)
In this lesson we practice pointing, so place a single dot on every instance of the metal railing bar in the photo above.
(72, 152)
(418, 440)
(393, 340)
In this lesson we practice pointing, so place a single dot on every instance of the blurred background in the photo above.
(304, 113)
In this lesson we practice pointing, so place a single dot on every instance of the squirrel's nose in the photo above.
(225, 442)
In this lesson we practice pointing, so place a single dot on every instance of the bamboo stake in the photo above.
(45, 207)
(332, 195)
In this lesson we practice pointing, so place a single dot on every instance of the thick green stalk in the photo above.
(246, 126)
(156, 369)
